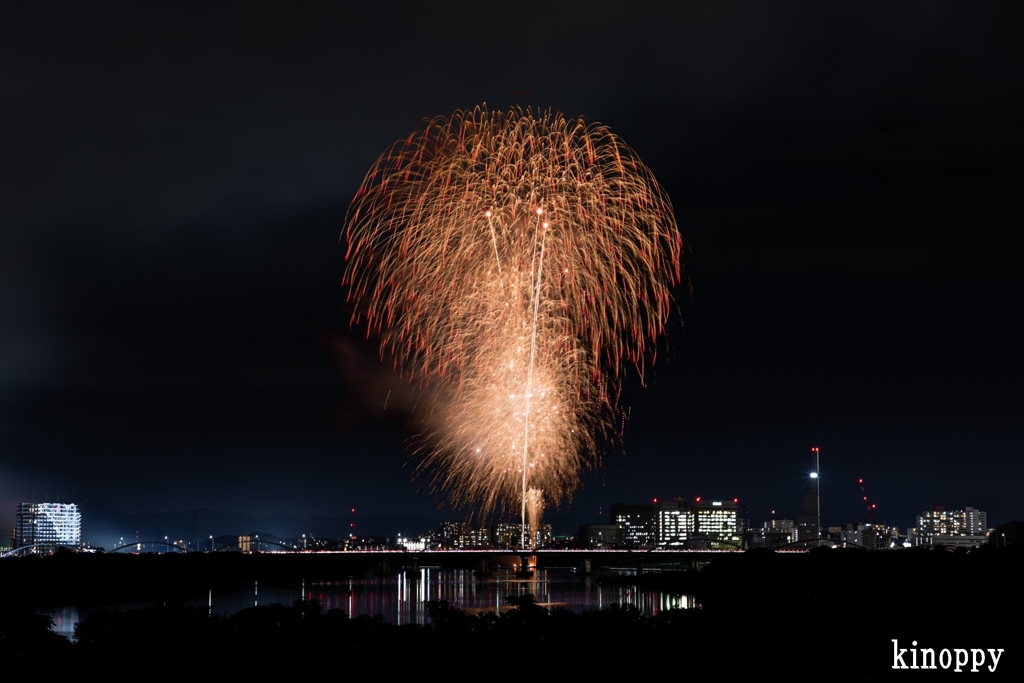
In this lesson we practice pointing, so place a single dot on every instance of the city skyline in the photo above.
(667, 524)
(173, 329)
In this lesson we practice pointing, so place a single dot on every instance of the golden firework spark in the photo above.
(513, 262)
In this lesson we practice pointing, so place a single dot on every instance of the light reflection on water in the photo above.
(401, 598)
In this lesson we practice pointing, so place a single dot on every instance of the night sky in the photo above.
(848, 178)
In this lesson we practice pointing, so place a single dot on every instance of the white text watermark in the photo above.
(958, 658)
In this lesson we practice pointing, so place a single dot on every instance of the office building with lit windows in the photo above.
(941, 522)
(675, 523)
(48, 525)
(450, 532)
(775, 534)
(715, 523)
(872, 536)
(966, 528)
(475, 538)
(462, 536)
(975, 522)
(509, 535)
(637, 524)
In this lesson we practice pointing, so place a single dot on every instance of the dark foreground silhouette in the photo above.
(824, 615)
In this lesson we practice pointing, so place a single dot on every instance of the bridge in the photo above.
(483, 561)
(138, 546)
(36, 549)
(585, 561)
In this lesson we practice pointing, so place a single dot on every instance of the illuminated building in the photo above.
(774, 534)
(636, 523)
(975, 522)
(833, 534)
(715, 523)
(414, 545)
(599, 536)
(742, 518)
(48, 525)
(509, 535)
(451, 533)
(245, 544)
(872, 536)
(953, 528)
(675, 523)
(779, 525)
(941, 522)
(460, 536)
(475, 538)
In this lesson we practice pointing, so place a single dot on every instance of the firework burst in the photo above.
(513, 263)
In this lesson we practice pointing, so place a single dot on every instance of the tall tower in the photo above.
(815, 484)
(809, 523)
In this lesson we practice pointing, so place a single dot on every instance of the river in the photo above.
(402, 598)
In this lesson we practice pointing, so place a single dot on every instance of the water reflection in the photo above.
(402, 598)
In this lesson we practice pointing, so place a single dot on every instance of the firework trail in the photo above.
(513, 263)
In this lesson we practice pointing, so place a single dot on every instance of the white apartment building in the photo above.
(48, 525)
